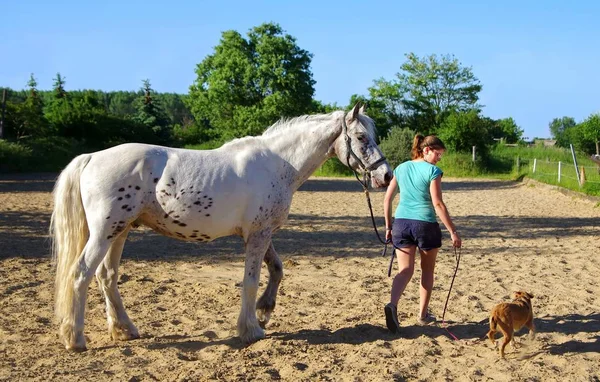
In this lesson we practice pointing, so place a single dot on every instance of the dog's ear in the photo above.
(517, 294)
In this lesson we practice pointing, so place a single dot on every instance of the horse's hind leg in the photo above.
(71, 328)
(256, 246)
(120, 326)
(266, 302)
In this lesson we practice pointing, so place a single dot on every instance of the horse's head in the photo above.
(356, 148)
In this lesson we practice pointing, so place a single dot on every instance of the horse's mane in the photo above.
(286, 123)
(289, 123)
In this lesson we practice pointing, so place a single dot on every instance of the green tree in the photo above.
(558, 128)
(248, 84)
(59, 87)
(150, 113)
(58, 110)
(319, 107)
(33, 110)
(26, 118)
(175, 108)
(590, 129)
(507, 130)
(463, 130)
(122, 103)
(428, 90)
(388, 97)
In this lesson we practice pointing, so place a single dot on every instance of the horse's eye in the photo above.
(361, 138)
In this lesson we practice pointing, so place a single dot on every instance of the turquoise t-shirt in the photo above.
(414, 178)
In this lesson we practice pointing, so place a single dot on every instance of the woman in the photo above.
(419, 182)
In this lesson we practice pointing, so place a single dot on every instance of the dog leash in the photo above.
(444, 325)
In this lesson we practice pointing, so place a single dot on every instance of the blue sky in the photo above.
(536, 60)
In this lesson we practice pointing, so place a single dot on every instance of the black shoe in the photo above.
(391, 318)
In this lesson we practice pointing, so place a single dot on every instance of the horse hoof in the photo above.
(76, 349)
(124, 333)
(77, 346)
(253, 336)
(72, 339)
(263, 318)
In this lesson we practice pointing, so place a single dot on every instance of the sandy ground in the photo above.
(329, 322)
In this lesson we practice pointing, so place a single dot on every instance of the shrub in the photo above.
(14, 157)
(396, 147)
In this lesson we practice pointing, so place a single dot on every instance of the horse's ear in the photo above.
(362, 109)
(355, 111)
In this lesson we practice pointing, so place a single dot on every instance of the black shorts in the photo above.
(408, 232)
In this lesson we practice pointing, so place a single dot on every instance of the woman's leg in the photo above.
(406, 265)
(428, 259)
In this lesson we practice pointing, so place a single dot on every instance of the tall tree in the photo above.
(150, 112)
(249, 83)
(428, 90)
(35, 123)
(58, 110)
(59, 86)
(558, 128)
(388, 97)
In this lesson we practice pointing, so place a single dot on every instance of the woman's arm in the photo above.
(391, 192)
(435, 189)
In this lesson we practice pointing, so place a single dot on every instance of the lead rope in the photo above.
(444, 325)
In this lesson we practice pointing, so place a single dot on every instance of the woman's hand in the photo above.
(456, 241)
(388, 235)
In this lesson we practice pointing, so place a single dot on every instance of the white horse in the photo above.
(243, 188)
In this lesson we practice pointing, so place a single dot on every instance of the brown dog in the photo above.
(510, 317)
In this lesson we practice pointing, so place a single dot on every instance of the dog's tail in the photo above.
(491, 334)
(493, 324)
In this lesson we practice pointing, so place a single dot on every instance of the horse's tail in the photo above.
(68, 231)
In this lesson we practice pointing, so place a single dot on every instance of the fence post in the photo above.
(582, 176)
(474, 153)
(518, 164)
(575, 163)
(559, 166)
(534, 164)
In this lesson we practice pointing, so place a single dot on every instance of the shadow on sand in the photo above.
(24, 234)
(471, 332)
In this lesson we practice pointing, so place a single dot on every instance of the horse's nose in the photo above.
(387, 177)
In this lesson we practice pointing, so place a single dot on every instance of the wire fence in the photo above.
(561, 173)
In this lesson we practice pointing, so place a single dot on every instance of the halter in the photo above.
(350, 152)
(367, 169)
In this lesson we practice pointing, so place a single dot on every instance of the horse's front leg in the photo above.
(256, 245)
(266, 302)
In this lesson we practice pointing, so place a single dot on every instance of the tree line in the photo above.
(248, 83)
(584, 135)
